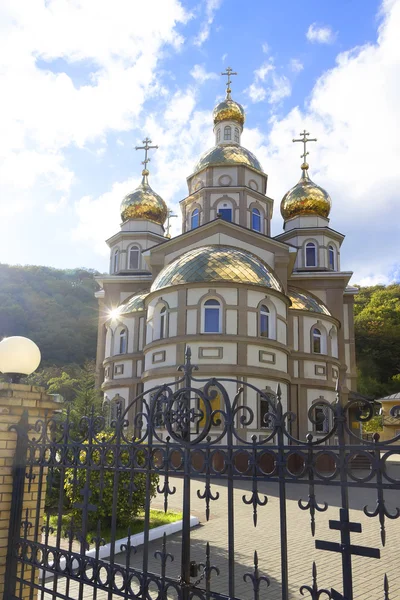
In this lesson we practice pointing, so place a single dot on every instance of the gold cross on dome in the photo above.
(146, 147)
(229, 71)
(170, 215)
(304, 139)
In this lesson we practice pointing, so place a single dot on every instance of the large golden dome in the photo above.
(214, 264)
(144, 203)
(229, 110)
(305, 198)
(228, 154)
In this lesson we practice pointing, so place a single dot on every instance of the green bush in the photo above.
(101, 481)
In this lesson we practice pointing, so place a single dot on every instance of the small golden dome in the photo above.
(302, 300)
(228, 154)
(144, 203)
(134, 303)
(305, 198)
(229, 110)
(215, 264)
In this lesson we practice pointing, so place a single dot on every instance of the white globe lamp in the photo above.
(19, 356)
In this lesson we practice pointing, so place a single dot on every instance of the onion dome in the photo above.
(305, 198)
(228, 154)
(229, 110)
(302, 300)
(134, 303)
(216, 264)
(144, 203)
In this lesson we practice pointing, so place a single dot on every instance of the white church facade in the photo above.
(261, 309)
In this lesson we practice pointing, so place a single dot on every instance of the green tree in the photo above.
(131, 499)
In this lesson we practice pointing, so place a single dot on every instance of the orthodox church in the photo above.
(266, 310)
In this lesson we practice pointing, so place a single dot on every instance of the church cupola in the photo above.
(229, 117)
(306, 198)
(143, 203)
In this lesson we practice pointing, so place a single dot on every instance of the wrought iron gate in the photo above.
(181, 434)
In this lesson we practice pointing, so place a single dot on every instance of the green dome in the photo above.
(134, 304)
(216, 264)
(302, 300)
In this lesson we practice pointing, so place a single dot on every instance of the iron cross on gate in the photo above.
(347, 550)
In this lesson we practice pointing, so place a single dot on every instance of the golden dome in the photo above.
(134, 303)
(302, 300)
(215, 264)
(305, 198)
(229, 110)
(144, 203)
(228, 154)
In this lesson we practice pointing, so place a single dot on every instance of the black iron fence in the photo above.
(178, 433)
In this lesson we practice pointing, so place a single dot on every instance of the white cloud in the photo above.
(276, 86)
(256, 92)
(185, 133)
(224, 57)
(201, 75)
(265, 48)
(320, 35)
(211, 7)
(353, 111)
(44, 112)
(296, 65)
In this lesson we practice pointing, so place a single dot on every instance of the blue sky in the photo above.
(83, 82)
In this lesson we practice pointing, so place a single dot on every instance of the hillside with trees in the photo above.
(57, 309)
(53, 307)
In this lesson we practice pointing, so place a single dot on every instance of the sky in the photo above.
(84, 81)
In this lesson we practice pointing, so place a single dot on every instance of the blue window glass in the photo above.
(212, 316)
(195, 219)
(264, 321)
(256, 219)
(226, 213)
(311, 255)
(331, 258)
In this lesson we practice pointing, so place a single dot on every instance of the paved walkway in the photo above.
(368, 572)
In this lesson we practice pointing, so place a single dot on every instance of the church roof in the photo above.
(302, 300)
(216, 264)
(228, 154)
(134, 304)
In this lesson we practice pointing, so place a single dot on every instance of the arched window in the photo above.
(311, 254)
(218, 135)
(212, 316)
(117, 407)
(317, 341)
(264, 320)
(195, 219)
(116, 261)
(225, 211)
(134, 254)
(227, 132)
(331, 256)
(123, 338)
(256, 219)
(163, 323)
(237, 138)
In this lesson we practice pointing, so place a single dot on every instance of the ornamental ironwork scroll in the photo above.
(195, 435)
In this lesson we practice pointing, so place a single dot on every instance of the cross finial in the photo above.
(170, 215)
(304, 139)
(229, 71)
(146, 147)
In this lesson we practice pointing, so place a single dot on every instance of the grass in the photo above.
(157, 518)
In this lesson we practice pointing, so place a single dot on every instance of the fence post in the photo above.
(20, 406)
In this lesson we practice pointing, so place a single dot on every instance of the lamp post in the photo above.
(19, 356)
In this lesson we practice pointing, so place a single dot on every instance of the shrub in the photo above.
(131, 496)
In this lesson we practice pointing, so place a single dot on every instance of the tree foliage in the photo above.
(53, 307)
(377, 333)
(131, 495)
